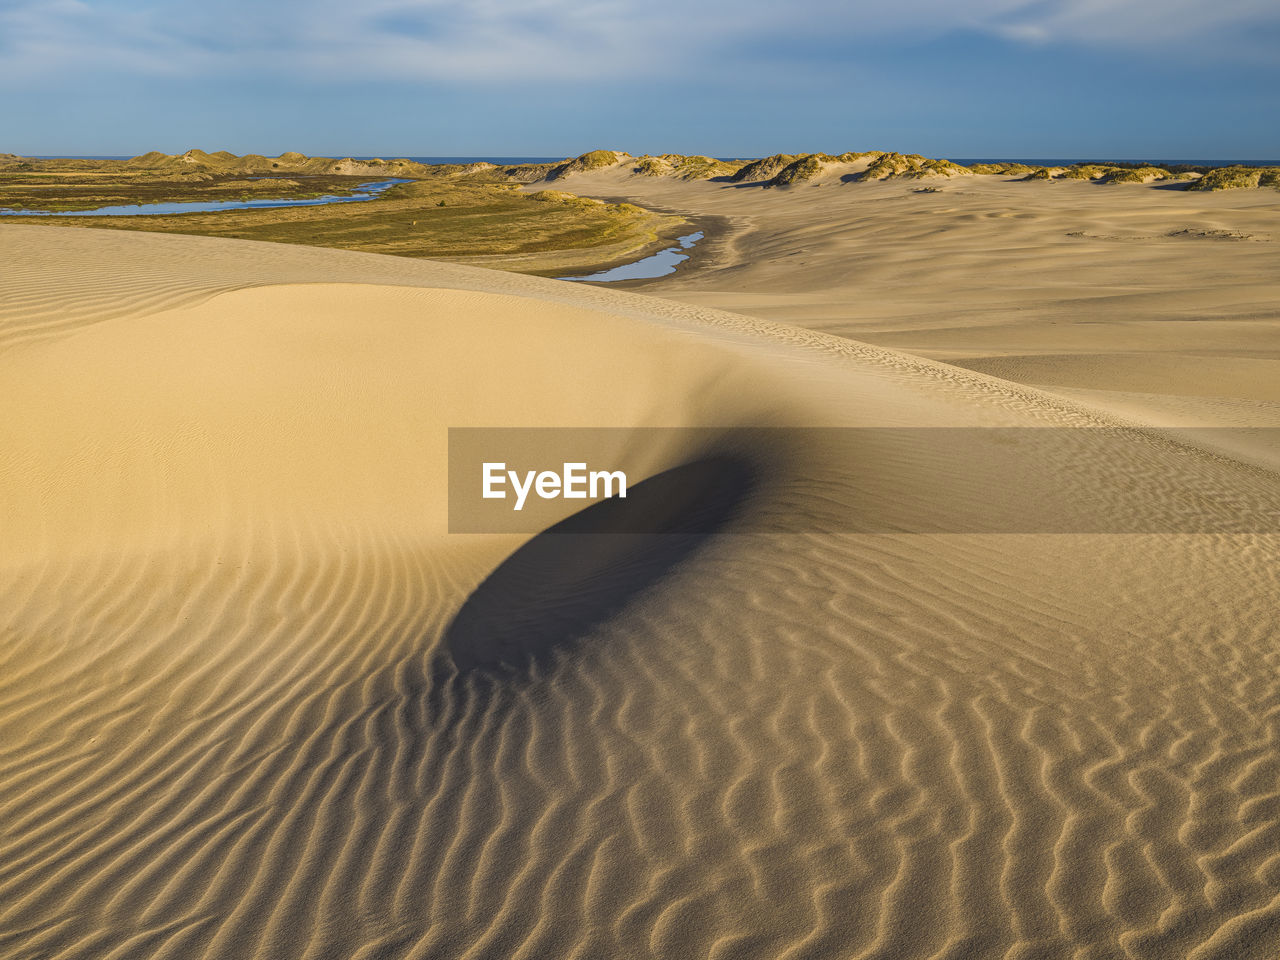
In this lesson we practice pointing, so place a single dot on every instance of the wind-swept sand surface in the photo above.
(1152, 301)
(241, 714)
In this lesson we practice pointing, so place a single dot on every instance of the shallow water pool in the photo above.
(658, 265)
(366, 191)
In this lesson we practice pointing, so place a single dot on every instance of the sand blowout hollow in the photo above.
(239, 718)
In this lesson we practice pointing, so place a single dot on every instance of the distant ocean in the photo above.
(1034, 161)
(499, 160)
(1066, 162)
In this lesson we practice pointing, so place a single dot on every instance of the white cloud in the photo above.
(1174, 24)
(57, 36)
(508, 41)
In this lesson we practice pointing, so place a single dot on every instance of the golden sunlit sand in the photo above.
(239, 718)
(1150, 300)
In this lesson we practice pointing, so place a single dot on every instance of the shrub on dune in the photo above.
(652, 167)
(764, 169)
(594, 160)
(1229, 178)
(1137, 175)
(806, 168)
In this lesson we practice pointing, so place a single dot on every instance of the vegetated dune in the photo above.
(195, 163)
(257, 701)
(786, 169)
(778, 170)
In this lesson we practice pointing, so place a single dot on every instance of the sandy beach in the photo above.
(894, 707)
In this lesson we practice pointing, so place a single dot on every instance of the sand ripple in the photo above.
(233, 723)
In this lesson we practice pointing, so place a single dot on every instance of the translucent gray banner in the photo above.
(862, 480)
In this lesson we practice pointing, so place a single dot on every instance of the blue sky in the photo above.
(1049, 78)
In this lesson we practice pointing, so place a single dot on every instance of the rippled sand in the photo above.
(240, 715)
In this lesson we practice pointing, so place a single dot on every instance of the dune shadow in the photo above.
(549, 594)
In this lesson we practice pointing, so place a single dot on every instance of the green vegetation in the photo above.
(935, 168)
(684, 168)
(88, 191)
(784, 169)
(910, 166)
(1237, 178)
(652, 167)
(1006, 169)
(445, 212)
(806, 168)
(1118, 173)
(789, 169)
(559, 196)
(702, 168)
(765, 169)
(588, 161)
(886, 165)
(1195, 177)
(1085, 171)
(1137, 175)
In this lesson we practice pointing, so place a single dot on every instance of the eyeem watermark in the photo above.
(872, 480)
(574, 482)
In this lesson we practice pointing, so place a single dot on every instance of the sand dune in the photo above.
(248, 704)
(1159, 301)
